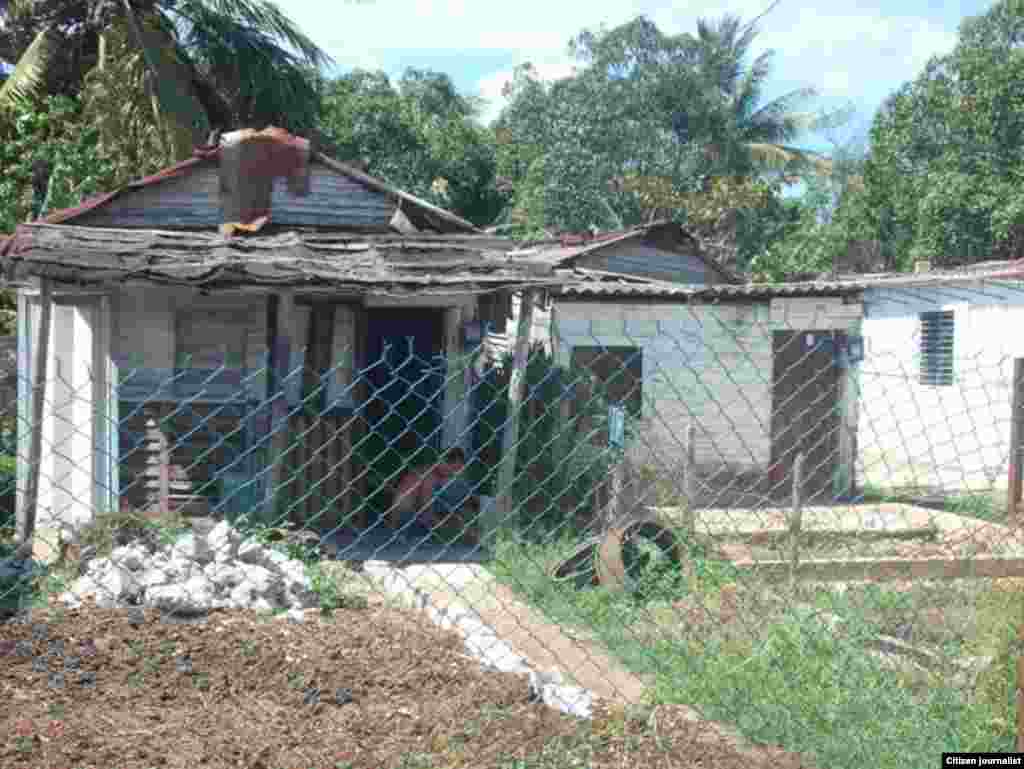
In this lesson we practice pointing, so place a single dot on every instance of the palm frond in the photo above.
(174, 98)
(781, 156)
(777, 121)
(750, 87)
(28, 79)
(261, 16)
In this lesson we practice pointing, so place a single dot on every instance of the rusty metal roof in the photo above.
(342, 261)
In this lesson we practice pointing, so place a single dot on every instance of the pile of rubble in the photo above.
(196, 573)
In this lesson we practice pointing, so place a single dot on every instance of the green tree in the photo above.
(827, 228)
(653, 126)
(419, 134)
(942, 180)
(197, 64)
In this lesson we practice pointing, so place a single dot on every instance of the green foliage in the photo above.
(550, 474)
(650, 127)
(419, 134)
(786, 679)
(50, 158)
(943, 177)
(201, 63)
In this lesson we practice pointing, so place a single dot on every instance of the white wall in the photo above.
(497, 345)
(76, 447)
(950, 437)
(709, 364)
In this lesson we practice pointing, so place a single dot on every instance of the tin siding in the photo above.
(636, 258)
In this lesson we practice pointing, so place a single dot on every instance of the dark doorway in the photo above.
(404, 371)
(406, 375)
(805, 411)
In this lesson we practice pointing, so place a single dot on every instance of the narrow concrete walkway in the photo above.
(548, 648)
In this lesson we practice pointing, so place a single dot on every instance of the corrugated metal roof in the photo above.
(592, 283)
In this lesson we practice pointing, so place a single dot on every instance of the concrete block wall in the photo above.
(710, 364)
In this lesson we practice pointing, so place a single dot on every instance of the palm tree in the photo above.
(715, 101)
(200, 64)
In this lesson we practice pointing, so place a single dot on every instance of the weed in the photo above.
(786, 678)
(248, 648)
(979, 505)
(201, 681)
(296, 680)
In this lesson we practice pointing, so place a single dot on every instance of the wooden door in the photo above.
(805, 411)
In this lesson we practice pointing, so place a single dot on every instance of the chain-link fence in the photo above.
(726, 527)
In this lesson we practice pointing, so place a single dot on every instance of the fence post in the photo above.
(26, 521)
(796, 518)
(1020, 693)
(689, 481)
(510, 435)
(1014, 482)
(282, 306)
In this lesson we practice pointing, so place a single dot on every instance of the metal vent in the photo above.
(937, 333)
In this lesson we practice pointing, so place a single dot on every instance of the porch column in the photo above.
(456, 406)
(281, 314)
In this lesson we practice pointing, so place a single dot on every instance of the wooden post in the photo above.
(26, 522)
(510, 435)
(280, 311)
(612, 513)
(689, 480)
(796, 518)
(1016, 415)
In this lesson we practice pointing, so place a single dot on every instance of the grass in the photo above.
(989, 505)
(782, 676)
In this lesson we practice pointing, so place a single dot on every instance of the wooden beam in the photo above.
(280, 310)
(510, 436)
(26, 520)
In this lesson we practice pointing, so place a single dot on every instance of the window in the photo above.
(936, 340)
(619, 369)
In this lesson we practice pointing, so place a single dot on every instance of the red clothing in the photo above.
(415, 491)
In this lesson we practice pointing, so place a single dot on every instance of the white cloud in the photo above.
(845, 53)
(490, 87)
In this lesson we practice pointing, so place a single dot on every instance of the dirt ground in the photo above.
(375, 687)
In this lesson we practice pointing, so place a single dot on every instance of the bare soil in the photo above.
(375, 687)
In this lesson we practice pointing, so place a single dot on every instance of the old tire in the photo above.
(580, 568)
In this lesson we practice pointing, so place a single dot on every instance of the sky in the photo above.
(853, 53)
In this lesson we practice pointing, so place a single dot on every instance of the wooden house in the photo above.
(229, 301)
